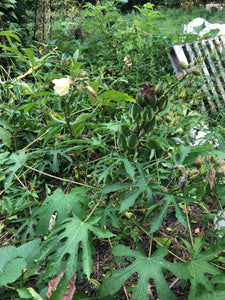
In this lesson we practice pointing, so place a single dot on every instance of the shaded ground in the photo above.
(104, 261)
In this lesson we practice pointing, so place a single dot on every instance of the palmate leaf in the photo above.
(16, 161)
(157, 221)
(129, 168)
(65, 240)
(146, 267)
(61, 204)
(219, 291)
(5, 135)
(180, 153)
(218, 295)
(109, 215)
(141, 183)
(198, 267)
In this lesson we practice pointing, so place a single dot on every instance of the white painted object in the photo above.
(201, 24)
(198, 134)
(219, 223)
(212, 6)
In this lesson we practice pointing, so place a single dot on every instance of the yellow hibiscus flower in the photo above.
(62, 85)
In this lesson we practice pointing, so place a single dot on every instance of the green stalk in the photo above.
(189, 226)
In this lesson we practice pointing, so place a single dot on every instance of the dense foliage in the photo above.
(103, 178)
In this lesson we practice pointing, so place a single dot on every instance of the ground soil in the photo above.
(171, 228)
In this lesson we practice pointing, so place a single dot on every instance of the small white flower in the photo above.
(62, 85)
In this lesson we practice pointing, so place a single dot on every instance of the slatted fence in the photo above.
(213, 68)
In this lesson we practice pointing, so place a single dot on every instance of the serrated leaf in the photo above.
(27, 107)
(107, 171)
(108, 213)
(61, 204)
(5, 136)
(195, 151)
(181, 154)
(115, 187)
(218, 295)
(16, 160)
(25, 89)
(129, 200)
(30, 54)
(142, 183)
(198, 267)
(65, 240)
(180, 215)
(82, 117)
(129, 168)
(116, 96)
(146, 267)
(157, 221)
(52, 129)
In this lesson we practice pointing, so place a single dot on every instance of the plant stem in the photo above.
(189, 226)
(62, 179)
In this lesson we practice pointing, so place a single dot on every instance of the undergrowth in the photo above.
(93, 156)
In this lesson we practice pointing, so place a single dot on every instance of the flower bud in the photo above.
(91, 90)
(199, 161)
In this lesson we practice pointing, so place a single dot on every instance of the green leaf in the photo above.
(181, 154)
(129, 201)
(116, 96)
(195, 151)
(107, 171)
(16, 160)
(109, 212)
(8, 34)
(11, 265)
(142, 183)
(218, 295)
(180, 215)
(30, 54)
(15, 260)
(116, 186)
(52, 129)
(75, 67)
(129, 168)
(157, 221)
(61, 204)
(5, 136)
(28, 293)
(65, 240)
(30, 251)
(146, 267)
(82, 118)
(132, 141)
(25, 89)
(79, 123)
(198, 267)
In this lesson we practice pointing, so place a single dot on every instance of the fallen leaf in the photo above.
(71, 288)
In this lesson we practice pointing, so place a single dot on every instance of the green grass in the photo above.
(174, 20)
